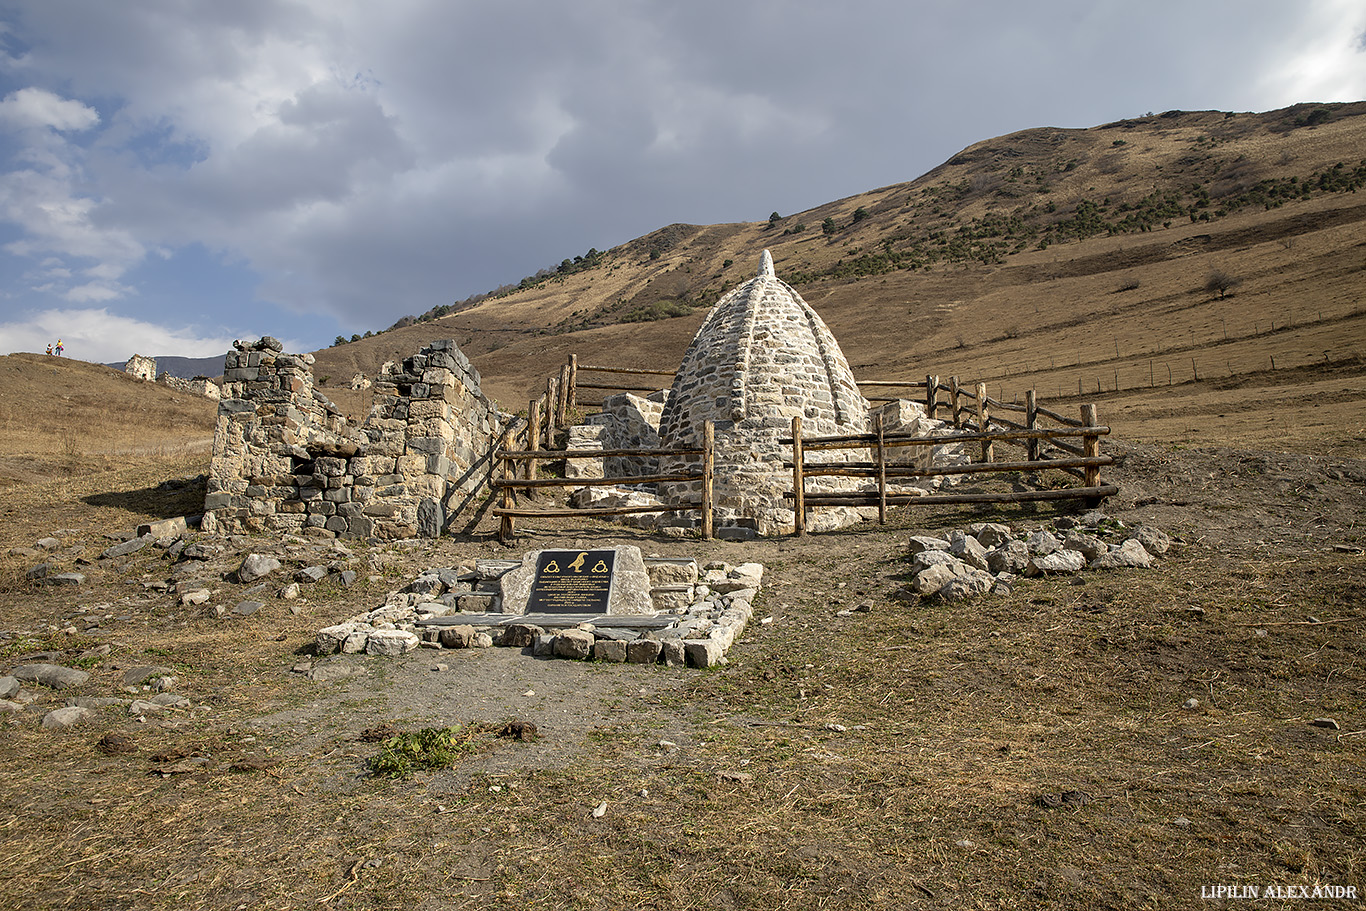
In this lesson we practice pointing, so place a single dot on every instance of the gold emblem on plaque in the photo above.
(577, 565)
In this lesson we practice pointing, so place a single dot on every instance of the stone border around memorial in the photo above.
(705, 609)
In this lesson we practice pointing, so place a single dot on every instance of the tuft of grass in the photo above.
(429, 748)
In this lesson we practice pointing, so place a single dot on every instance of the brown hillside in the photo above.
(69, 418)
(919, 283)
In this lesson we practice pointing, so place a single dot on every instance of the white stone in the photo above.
(391, 642)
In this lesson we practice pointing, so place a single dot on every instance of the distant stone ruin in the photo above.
(142, 368)
(286, 459)
(200, 385)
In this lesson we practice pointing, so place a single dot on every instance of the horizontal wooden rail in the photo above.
(523, 483)
(863, 441)
(870, 469)
(567, 513)
(583, 385)
(630, 370)
(1070, 422)
(892, 384)
(541, 455)
(1019, 496)
(508, 482)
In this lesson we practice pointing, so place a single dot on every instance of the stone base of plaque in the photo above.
(630, 585)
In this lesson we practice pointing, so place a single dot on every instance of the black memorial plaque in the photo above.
(571, 582)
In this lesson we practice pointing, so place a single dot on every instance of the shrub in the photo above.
(1222, 282)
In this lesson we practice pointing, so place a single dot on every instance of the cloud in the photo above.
(35, 107)
(103, 337)
(363, 162)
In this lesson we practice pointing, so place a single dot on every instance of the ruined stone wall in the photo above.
(141, 367)
(199, 385)
(630, 422)
(286, 459)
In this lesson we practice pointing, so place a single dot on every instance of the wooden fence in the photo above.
(971, 415)
(510, 480)
(1072, 446)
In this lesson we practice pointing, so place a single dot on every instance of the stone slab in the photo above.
(630, 590)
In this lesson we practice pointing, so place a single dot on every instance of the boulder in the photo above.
(256, 566)
(1056, 562)
(574, 643)
(1126, 555)
(50, 675)
(390, 642)
(66, 717)
(1154, 542)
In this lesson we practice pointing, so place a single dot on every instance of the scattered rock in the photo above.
(127, 547)
(256, 566)
(50, 675)
(66, 717)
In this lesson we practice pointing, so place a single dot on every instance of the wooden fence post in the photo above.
(708, 469)
(505, 526)
(533, 439)
(931, 395)
(953, 400)
(562, 399)
(1090, 445)
(551, 394)
(1031, 422)
(881, 472)
(573, 381)
(798, 482)
(984, 422)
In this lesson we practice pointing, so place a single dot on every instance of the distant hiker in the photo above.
(59, 347)
(49, 349)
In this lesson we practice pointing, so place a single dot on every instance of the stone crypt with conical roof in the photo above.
(762, 357)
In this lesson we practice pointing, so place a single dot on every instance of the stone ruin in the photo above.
(286, 459)
(199, 385)
(762, 357)
(145, 368)
(141, 368)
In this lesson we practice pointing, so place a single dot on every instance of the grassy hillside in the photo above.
(1044, 258)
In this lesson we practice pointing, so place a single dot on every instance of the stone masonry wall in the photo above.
(761, 357)
(630, 422)
(141, 367)
(199, 385)
(286, 459)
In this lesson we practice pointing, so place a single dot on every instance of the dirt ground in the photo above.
(1026, 751)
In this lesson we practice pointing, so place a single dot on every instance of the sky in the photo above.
(176, 174)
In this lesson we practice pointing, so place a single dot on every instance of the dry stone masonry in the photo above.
(762, 357)
(199, 385)
(141, 367)
(286, 459)
(675, 612)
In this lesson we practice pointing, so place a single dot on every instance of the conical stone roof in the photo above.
(761, 357)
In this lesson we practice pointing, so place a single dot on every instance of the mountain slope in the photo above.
(1046, 258)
